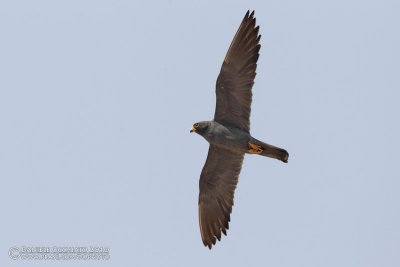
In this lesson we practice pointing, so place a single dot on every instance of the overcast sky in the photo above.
(97, 99)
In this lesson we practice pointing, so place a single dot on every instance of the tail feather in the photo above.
(273, 151)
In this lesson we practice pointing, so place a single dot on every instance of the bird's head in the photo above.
(200, 127)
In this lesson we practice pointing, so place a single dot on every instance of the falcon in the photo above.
(229, 133)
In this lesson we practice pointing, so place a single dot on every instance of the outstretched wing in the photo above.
(218, 181)
(236, 77)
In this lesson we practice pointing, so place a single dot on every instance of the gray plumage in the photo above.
(229, 133)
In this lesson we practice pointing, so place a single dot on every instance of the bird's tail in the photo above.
(272, 151)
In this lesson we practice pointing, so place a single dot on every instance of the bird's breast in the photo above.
(231, 139)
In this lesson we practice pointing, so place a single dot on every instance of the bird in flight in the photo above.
(229, 133)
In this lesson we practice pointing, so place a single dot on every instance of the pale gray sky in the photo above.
(97, 99)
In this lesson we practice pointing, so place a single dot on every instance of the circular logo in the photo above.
(13, 253)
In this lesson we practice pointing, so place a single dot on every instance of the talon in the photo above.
(254, 149)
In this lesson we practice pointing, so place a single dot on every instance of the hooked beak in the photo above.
(193, 129)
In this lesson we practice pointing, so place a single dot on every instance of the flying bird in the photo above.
(229, 133)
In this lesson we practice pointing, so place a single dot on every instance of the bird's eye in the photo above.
(196, 125)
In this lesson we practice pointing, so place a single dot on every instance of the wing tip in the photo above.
(212, 240)
(249, 15)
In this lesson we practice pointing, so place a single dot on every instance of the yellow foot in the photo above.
(254, 149)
